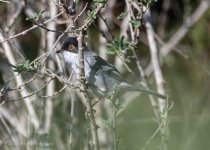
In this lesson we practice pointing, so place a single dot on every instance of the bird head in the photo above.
(70, 44)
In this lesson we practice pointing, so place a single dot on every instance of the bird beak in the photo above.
(60, 50)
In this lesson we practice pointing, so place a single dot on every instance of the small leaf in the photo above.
(26, 66)
(123, 15)
(99, 1)
(135, 23)
(110, 52)
(92, 14)
(116, 44)
(123, 42)
(35, 17)
(22, 67)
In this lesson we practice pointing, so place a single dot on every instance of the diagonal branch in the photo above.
(181, 32)
(19, 81)
(29, 29)
(85, 92)
(179, 35)
(158, 78)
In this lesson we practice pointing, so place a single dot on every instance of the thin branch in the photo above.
(41, 25)
(19, 81)
(54, 45)
(183, 30)
(50, 88)
(84, 91)
(13, 121)
(152, 137)
(163, 18)
(107, 26)
(89, 21)
(14, 16)
(158, 78)
(29, 29)
(75, 19)
(32, 94)
(140, 68)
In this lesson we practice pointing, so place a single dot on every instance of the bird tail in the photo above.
(130, 87)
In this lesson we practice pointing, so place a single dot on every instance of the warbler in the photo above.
(102, 77)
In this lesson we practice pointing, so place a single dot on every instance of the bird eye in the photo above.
(71, 47)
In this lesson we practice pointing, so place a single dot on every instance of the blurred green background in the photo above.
(187, 79)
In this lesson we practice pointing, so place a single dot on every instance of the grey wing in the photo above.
(101, 76)
(98, 64)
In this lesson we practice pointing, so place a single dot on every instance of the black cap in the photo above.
(68, 41)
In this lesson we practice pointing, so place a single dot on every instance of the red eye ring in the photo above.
(71, 47)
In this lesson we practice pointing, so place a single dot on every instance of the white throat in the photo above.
(72, 59)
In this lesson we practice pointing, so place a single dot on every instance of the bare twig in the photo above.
(106, 26)
(102, 39)
(140, 68)
(31, 94)
(163, 17)
(182, 31)
(13, 121)
(19, 81)
(89, 21)
(84, 91)
(29, 29)
(49, 29)
(14, 16)
(75, 19)
(50, 88)
(152, 137)
(54, 45)
(158, 78)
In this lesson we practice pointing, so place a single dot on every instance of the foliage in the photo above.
(117, 46)
(123, 15)
(146, 2)
(26, 66)
(36, 16)
(136, 24)
(91, 14)
(130, 117)
(99, 1)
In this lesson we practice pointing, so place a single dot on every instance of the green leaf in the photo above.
(26, 66)
(117, 46)
(110, 52)
(22, 67)
(91, 14)
(146, 2)
(99, 1)
(123, 15)
(135, 23)
(35, 17)
(123, 43)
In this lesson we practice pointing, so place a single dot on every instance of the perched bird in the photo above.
(102, 77)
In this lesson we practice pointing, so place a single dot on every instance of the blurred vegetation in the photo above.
(187, 82)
